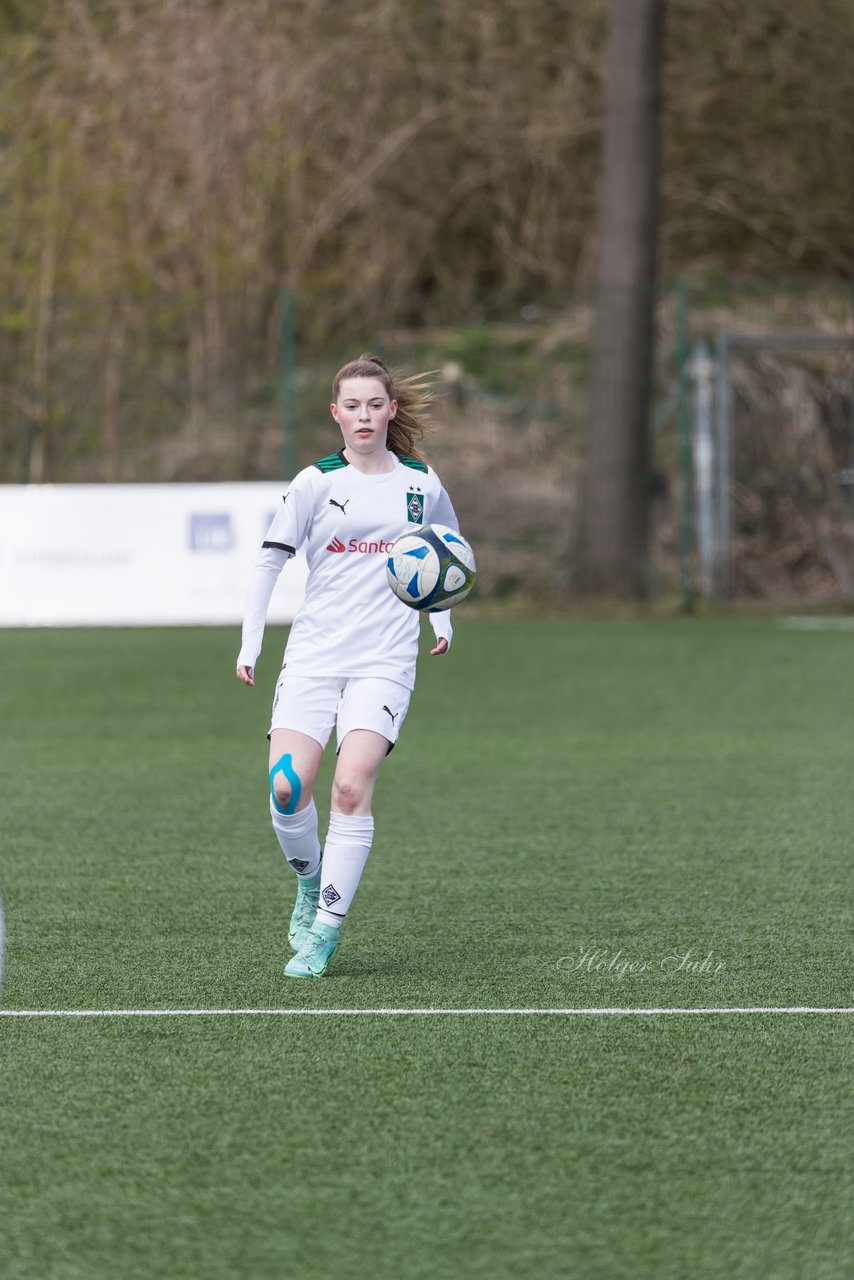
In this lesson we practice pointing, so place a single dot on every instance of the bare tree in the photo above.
(614, 529)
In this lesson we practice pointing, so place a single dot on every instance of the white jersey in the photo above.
(350, 622)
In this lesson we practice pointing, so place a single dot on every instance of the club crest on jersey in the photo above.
(415, 507)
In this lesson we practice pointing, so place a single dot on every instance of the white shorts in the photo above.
(315, 705)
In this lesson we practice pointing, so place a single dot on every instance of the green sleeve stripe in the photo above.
(334, 462)
(415, 464)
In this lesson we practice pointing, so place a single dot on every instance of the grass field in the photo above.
(567, 799)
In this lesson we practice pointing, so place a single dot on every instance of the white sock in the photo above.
(344, 856)
(297, 834)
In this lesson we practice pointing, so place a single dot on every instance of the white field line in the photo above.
(426, 1013)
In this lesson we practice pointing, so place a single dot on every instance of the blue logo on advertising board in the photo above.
(211, 532)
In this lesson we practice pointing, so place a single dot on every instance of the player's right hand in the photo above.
(245, 675)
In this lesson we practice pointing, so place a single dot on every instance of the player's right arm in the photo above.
(265, 575)
(287, 531)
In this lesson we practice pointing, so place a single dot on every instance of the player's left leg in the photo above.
(369, 720)
(351, 834)
(351, 825)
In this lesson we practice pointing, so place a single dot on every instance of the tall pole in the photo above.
(288, 392)
(613, 550)
(685, 450)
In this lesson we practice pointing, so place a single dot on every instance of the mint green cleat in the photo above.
(305, 909)
(313, 957)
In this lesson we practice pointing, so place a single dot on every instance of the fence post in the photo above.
(288, 389)
(702, 375)
(684, 448)
(851, 419)
(723, 466)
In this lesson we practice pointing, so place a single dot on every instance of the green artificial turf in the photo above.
(578, 815)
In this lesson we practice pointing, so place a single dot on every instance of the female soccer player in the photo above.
(351, 654)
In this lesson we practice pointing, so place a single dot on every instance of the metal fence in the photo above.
(772, 421)
(139, 389)
(752, 417)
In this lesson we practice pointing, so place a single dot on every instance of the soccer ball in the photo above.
(431, 568)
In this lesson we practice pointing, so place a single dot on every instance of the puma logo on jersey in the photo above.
(393, 714)
(340, 505)
(336, 545)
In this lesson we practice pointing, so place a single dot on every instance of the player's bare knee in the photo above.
(346, 796)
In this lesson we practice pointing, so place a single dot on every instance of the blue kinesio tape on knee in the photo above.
(286, 766)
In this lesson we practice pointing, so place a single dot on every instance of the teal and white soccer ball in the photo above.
(431, 567)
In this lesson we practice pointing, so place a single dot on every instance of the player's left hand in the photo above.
(441, 647)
